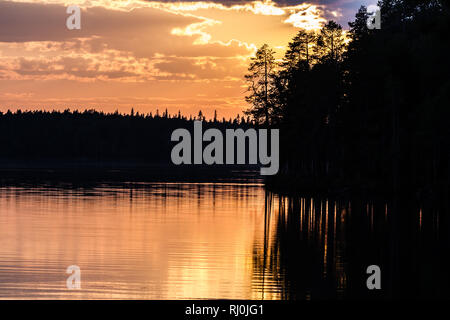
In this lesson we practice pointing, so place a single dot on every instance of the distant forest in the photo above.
(96, 136)
(367, 109)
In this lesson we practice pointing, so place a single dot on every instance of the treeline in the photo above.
(96, 136)
(363, 109)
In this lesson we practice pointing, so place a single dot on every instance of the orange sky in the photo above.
(186, 56)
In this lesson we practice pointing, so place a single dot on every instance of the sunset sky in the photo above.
(145, 55)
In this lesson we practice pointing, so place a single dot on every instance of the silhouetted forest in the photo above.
(93, 135)
(369, 113)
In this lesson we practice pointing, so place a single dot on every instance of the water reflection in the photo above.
(216, 240)
(149, 241)
(319, 248)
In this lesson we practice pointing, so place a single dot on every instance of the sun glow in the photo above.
(305, 16)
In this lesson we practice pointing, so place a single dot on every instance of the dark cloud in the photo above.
(143, 31)
(280, 2)
(21, 22)
(348, 8)
(332, 3)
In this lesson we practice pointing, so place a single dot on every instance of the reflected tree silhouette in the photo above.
(320, 248)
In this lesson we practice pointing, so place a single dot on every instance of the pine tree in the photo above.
(260, 79)
(331, 43)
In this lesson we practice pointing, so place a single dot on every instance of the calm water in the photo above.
(221, 241)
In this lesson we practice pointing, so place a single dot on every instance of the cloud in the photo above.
(204, 68)
(125, 43)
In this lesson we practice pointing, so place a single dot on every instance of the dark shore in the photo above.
(121, 171)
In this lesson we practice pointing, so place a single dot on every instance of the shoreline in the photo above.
(122, 171)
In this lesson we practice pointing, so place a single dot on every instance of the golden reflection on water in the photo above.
(195, 241)
(159, 241)
(297, 230)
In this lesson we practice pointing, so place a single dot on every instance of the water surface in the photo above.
(214, 241)
(155, 241)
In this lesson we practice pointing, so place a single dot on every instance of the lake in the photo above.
(214, 241)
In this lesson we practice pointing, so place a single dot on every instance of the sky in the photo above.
(146, 55)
